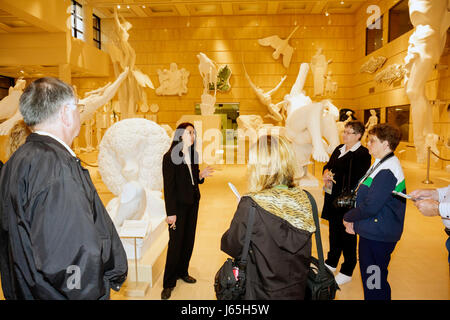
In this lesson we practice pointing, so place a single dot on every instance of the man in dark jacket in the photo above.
(57, 240)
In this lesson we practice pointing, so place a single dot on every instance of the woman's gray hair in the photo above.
(43, 98)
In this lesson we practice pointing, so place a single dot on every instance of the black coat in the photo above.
(360, 160)
(279, 254)
(178, 188)
(54, 229)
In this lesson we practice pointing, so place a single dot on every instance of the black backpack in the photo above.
(226, 286)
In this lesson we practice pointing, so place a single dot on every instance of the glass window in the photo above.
(374, 36)
(5, 83)
(97, 31)
(398, 116)
(399, 22)
(77, 20)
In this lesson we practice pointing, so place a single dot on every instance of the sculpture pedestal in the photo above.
(151, 258)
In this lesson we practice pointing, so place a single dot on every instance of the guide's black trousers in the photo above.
(181, 244)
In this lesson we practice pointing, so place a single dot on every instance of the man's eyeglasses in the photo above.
(348, 132)
(79, 106)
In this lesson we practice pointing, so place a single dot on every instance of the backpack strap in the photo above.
(317, 233)
(248, 235)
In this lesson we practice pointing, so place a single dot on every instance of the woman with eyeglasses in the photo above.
(347, 164)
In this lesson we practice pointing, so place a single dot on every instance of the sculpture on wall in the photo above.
(281, 46)
(130, 164)
(276, 111)
(431, 19)
(390, 74)
(319, 68)
(330, 85)
(172, 81)
(307, 123)
(223, 79)
(122, 56)
(208, 72)
(373, 64)
(9, 107)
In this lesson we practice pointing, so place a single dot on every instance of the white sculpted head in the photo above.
(132, 149)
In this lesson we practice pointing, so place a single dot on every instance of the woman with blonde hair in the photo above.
(280, 246)
(17, 137)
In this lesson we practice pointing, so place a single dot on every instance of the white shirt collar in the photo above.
(43, 133)
(352, 149)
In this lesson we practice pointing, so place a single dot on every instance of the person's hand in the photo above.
(428, 207)
(207, 172)
(422, 194)
(328, 176)
(171, 221)
(349, 227)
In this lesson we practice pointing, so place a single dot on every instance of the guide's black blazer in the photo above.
(178, 188)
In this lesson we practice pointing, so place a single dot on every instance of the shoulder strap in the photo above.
(248, 235)
(317, 233)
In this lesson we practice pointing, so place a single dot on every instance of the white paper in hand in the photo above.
(236, 193)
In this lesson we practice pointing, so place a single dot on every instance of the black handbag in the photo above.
(320, 284)
(227, 285)
(347, 199)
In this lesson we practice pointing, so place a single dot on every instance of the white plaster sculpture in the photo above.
(131, 95)
(249, 126)
(431, 19)
(88, 127)
(330, 85)
(130, 164)
(281, 46)
(9, 107)
(307, 123)
(99, 97)
(275, 110)
(371, 122)
(102, 122)
(173, 81)
(208, 72)
(373, 64)
(390, 74)
(319, 68)
(349, 117)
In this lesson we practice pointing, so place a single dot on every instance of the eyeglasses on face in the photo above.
(79, 106)
(349, 132)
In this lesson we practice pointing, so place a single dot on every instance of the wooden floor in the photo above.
(419, 267)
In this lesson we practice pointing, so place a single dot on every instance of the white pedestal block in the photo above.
(149, 252)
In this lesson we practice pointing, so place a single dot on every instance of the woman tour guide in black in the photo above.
(181, 177)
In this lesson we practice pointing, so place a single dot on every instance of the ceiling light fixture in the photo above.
(118, 6)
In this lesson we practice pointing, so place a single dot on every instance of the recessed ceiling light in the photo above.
(342, 2)
(118, 6)
(128, 7)
(143, 6)
(326, 13)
